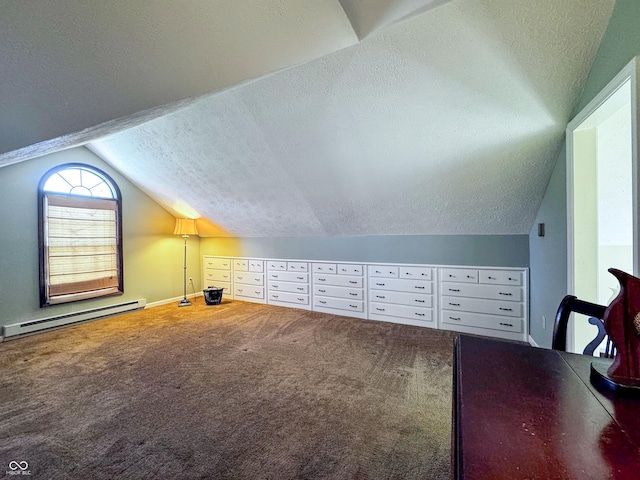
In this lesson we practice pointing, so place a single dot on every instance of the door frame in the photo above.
(629, 73)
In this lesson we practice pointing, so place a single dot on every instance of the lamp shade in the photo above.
(185, 226)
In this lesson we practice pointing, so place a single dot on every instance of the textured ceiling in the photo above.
(347, 118)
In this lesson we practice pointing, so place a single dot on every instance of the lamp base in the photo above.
(184, 303)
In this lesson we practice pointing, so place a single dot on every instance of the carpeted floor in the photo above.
(237, 391)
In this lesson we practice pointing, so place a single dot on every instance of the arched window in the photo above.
(80, 228)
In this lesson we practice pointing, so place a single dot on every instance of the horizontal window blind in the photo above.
(81, 246)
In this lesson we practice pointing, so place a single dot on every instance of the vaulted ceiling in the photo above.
(280, 118)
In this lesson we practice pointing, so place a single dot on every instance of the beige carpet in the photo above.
(237, 391)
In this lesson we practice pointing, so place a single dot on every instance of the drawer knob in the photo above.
(419, 301)
(380, 296)
(300, 288)
(322, 291)
(492, 278)
(353, 306)
(455, 318)
(419, 314)
(353, 294)
(454, 304)
(300, 278)
(380, 309)
(352, 281)
(418, 286)
(300, 299)
(506, 324)
(506, 309)
(454, 289)
(322, 279)
(380, 284)
(507, 294)
(322, 301)
(275, 286)
(274, 296)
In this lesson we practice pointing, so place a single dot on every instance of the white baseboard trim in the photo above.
(172, 300)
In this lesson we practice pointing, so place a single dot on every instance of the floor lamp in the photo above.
(185, 227)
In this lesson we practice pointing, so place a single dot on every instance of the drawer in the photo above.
(465, 275)
(298, 298)
(495, 292)
(401, 285)
(256, 266)
(325, 268)
(345, 269)
(225, 286)
(423, 273)
(249, 279)
(404, 311)
(241, 265)
(478, 320)
(401, 298)
(341, 292)
(501, 277)
(217, 263)
(494, 307)
(297, 266)
(289, 277)
(211, 275)
(289, 287)
(338, 280)
(248, 291)
(387, 271)
(339, 303)
(276, 265)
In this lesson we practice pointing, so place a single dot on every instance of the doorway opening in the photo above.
(602, 148)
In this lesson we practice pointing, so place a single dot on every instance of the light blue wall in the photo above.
(620, 44)
(480, 250)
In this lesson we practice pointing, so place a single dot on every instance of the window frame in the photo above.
(45, 300)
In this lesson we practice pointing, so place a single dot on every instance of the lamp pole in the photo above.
(184, 302)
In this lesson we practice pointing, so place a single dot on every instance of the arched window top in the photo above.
(81, 180)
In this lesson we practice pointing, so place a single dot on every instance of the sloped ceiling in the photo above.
(307, 118)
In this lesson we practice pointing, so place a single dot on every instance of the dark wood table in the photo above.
(523, 412)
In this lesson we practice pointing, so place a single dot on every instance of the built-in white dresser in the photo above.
(487, 301)
(340, 288)
(484, 301)
(217, 273)
(402, 293)
(248, 280)
(288, 284)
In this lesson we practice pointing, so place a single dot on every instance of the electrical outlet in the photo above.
(190, 279)
(544, 322)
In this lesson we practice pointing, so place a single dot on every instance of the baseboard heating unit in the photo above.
(31, 326)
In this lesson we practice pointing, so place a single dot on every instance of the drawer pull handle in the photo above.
(380, 284)
(469, 276)
(419, 287)
(300, 278)
(300, 299)
(457, 319)
(353, 306)
(322, 301)
(343, 269)
(506, 309)
(506, 324)
(408, 273)
(423, 274)
(492, 278)
(257, 292)
(275, 286)
(380, 296)
(322, 279)
(419, 314)
(274, 296)
(353, 294)
(352, 281)
(380, 309)
(240, 290)
(274, 275)
(507, 294)
(512, 279)
(225, 276)
(454, 289)
(300, 288)
(452, 276)
(322, 291)
(419, 301)
(454, 304)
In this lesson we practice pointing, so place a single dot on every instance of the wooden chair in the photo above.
(595, 313)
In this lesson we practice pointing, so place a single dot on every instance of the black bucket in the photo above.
(212, 295)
